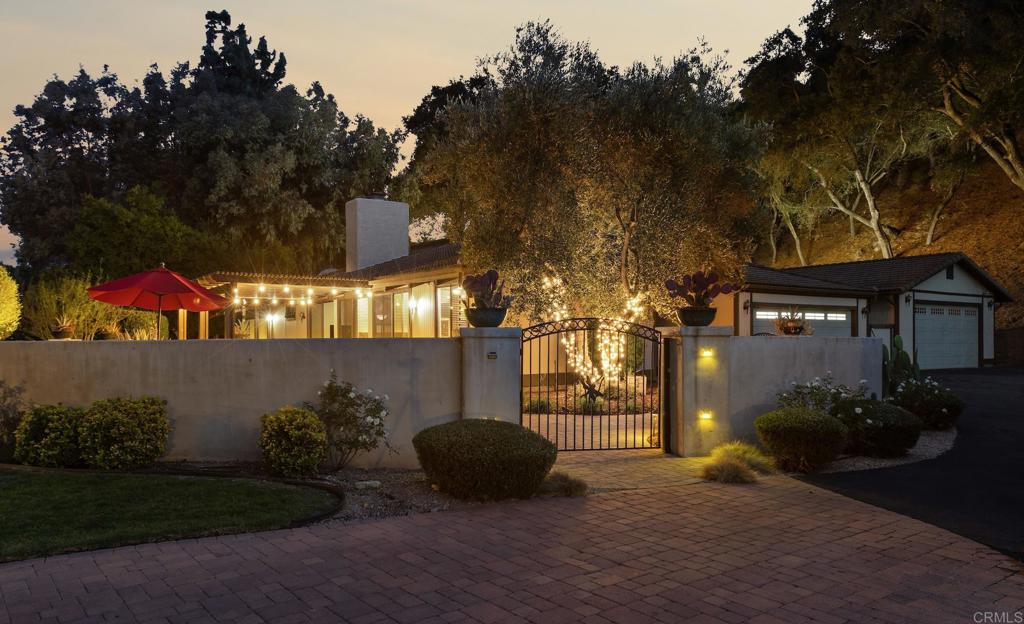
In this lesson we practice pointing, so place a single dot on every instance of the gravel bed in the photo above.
(387, 492)
(929, 446)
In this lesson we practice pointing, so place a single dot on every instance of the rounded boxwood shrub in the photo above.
(877, 429)
(930, 401)
(123, 434)
(801, 439)
(484, 459)
(293, 441)
(48, 436)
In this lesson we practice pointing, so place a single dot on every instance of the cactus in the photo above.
(485, 291)
(897, 366)
(699, 289)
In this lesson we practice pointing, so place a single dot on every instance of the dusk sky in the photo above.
(378, 58)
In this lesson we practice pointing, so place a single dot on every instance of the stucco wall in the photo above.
(740, 377)
(218, 389)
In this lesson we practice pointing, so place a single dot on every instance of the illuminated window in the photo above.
(401, 315)
(362, 318)
(814, 316)
(837, 316)
(764, 314)
(444, 311)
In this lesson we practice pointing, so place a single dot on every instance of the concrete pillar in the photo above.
(700, 397)
(491, 373)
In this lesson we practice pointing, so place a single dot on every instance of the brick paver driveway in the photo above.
(777, 551)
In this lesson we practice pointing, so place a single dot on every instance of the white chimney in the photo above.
(376, 230)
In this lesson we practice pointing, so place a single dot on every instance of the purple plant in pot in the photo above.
(698, 291)
(487, 304)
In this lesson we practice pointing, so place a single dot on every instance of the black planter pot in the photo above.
(696, 317)
(63, 334)
(105, 335)
(486, 317)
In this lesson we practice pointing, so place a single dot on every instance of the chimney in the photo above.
(376, 230)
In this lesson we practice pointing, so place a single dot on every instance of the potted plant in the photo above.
(487, 304)
(793, 324)
(63, 327)
(110, 331)
(698, 291)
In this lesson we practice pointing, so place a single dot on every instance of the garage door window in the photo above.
(824, 322)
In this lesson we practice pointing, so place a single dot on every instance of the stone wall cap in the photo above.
(706, 331)
(491, 332)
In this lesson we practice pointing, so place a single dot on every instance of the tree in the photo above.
(563, 170)
(837, 118)
(233, 151)
(118, 239)
(10, 304)
(958, 59)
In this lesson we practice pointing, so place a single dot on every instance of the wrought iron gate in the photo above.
(594, 384)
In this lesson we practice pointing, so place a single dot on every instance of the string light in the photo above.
(286, 289)
(273, 301)
(334, 291)
(263, 288)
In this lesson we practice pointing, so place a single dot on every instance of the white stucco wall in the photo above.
(740, 378)
(218, 389)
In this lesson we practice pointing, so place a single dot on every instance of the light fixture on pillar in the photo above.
(704, 415)
(707, 352)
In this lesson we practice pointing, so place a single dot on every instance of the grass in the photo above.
(46, 513)
(561, 484)
(736, 462)
(727, 470)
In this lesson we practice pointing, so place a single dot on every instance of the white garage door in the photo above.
(946, 335)
(824, 322)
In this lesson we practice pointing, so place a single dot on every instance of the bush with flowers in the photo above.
(876, 428)
(353, 419)
(929, 400)
(821, 394)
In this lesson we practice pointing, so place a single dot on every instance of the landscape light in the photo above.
(705, 415)
(706, 352)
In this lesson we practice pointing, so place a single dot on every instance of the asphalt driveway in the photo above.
(976, 489)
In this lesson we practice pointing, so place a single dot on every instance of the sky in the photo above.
(378, 57)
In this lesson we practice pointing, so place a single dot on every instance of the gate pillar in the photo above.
(491, 373)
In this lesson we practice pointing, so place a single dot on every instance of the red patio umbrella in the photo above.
(158, 289)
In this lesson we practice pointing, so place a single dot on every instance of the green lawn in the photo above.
(44, 513)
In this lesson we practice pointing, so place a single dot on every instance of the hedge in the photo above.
(801, 439)
(484, 459)
(123, 434)
(293, 441)
(48, 436)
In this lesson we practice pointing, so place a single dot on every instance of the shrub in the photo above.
(589, 407)
(727, 470)
(10, 304)
(562, 484)
(821, 394)
(800, 438)
(48, 436)
(933, 403)
(123, 434)
(10, 416)
(747, 454)
(878, 429)
(538, 406)
(484, 459)
(293, 441)
(353, 420)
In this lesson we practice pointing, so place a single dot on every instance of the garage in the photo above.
(947, 334)
(942, 306)
(824, 321)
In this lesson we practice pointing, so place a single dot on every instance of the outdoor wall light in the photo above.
(706, 352)
(746, 304)
(704, 415)
(991, 304)
(907, 298)
(457, 291)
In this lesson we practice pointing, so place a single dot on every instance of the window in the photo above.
(289, 312)
(362, 318)
(814, 316)
(401, 315)
(836, 316)
(764, 314)
(949, 272)
(444, 311)
(382, 316)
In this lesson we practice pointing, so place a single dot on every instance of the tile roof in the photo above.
(220, 278)
(422, 257)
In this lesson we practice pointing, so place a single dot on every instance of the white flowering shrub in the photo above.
(353, 418)
(929, 400)
(821, 394)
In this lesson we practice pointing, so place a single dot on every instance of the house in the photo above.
(389, 288)
(942, 305)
